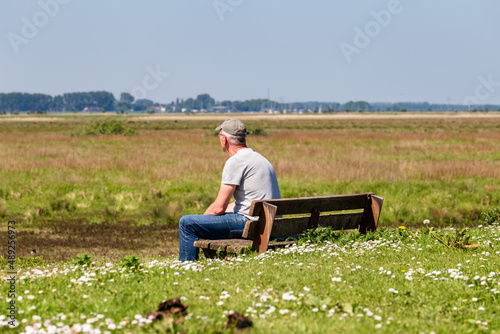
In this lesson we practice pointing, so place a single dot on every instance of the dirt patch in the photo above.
(63, 240)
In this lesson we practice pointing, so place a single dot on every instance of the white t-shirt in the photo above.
(254, 177)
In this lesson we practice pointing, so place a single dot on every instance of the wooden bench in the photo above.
(341, 212)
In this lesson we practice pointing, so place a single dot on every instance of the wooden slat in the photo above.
(290, 206)
(371, 214)
(219, 244)
(249, 230)
(376, 209)
(264, 227)
(202, 244)
(313, 220)
(298, 225)
(237, 247)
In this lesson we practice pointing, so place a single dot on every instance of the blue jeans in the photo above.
(194, 227)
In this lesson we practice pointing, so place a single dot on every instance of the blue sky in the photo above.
(316, 50)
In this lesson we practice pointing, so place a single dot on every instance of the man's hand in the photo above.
(221, 203)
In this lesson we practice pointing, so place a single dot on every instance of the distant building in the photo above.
(93, 109)
(158, 109)
(220, 109)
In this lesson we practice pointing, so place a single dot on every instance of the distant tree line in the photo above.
(105, 101)
(67, 102)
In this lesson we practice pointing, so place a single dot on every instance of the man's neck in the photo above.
(232, 150)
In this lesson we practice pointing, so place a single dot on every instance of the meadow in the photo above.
(89, 194)
(114, 196)
(398, 281)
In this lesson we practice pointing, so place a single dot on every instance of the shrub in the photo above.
(31, 261)
(492, 216)
(106, 126)
(327, 234)
(83, 259)
(453, 239)
(60, 204)
(131, 261)
(259, 132)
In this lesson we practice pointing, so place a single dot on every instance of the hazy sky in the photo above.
(442, 51)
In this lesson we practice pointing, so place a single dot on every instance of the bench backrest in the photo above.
(321, 211)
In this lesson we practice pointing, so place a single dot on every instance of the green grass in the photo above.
(393, 281)
(95, 206)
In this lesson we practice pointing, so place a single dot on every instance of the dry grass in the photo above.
(327, 156)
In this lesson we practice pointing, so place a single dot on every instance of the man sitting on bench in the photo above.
(247, 175)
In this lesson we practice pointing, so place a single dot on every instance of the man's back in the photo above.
(254, 177)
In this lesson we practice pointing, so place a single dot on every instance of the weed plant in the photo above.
(105, 126)
(492, 216)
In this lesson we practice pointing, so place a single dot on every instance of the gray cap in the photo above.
(233, 127)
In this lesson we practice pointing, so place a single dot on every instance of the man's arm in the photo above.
(230, 207)
(222, 201)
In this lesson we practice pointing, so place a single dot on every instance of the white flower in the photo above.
(427, 221)
(288, 296)
(219, 303)
(306, 289)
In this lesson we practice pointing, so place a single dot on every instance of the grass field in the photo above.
(113, 196)
(88, 194)
(400, 281)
